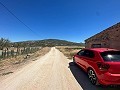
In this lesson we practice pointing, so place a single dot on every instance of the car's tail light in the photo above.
(103, 66)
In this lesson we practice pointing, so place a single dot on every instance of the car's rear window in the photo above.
(111, 56)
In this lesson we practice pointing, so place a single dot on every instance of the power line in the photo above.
(18, 19)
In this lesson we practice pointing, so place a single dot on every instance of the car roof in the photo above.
(101, 49)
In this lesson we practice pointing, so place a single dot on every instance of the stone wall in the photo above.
(109, 38)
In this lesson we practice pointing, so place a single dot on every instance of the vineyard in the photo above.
(8, 49)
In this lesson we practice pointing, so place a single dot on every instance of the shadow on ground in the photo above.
(83, 79)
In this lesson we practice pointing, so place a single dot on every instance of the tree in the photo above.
(4, 43)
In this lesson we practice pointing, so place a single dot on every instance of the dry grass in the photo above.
(69, 51)
(12, 63)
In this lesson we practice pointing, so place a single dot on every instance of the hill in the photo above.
(47, 42)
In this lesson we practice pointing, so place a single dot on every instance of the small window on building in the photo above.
(96, 46)
(116, 27)
(104, 44)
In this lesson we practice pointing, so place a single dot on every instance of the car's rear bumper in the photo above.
(109, 79)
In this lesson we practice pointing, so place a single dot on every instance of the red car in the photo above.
(101, 64)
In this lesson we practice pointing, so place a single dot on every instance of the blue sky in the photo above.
(72, 20)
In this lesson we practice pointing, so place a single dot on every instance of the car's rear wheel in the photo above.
(92, 76)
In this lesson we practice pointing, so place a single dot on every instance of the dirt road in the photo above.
(51, 72)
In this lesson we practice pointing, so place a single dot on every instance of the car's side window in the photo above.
(81, 53)
(88, 53)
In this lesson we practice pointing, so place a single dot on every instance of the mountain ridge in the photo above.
(49, 43)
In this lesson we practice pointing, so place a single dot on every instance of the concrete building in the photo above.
(109, 38)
